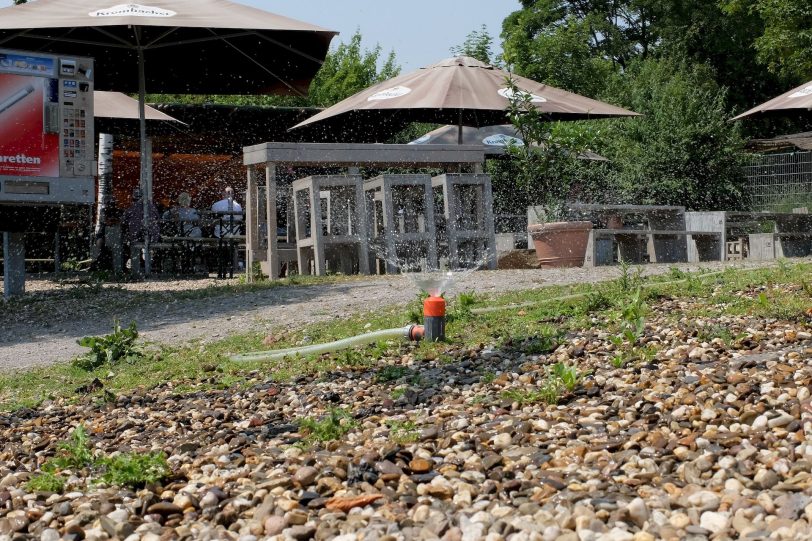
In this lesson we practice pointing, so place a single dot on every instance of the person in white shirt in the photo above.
(231, 215)
(186, 217)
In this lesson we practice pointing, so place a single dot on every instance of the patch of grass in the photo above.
(402, 432)
(333, 426)
(398, 393)
(488, 377)
(549, 392)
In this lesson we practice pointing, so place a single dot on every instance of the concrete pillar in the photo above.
(14, 264)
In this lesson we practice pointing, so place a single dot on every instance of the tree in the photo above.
(478, 44)
(683, 151)
(348, 70)
(785, 44)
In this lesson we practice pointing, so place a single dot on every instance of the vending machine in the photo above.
(46, 129)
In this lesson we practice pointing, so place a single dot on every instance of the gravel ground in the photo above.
(43, 327)
(709, 440)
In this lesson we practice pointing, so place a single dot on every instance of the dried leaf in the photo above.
(347, 503)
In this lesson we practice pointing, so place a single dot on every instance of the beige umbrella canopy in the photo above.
(495, 139)
(173, 46)
(799, 98)
(461, 91)
(118, 105)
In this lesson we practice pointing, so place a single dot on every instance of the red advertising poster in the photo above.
(26, 149)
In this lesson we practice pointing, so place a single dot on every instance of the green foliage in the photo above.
(110, 349)
(544, 341)
(402, 432)
(683, 151)
(488, 377)
(391, 373)
(126, 469)
(478, 44)
(461, 308)
(46, 482)
(569, 376)
(785, 42)
(414, 310)
(335, 425)
(133, 469)
(633, 319)
(348, 70)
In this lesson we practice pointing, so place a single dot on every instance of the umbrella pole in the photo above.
(142, 127)
(459, 129)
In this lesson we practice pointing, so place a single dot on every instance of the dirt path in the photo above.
(40, 330)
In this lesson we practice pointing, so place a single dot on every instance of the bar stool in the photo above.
(468, 212)
(330, 223)
(400, 214)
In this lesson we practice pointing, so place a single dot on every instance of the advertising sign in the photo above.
(29, 147)
(46, 128)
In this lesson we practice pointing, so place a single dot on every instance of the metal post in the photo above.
(14, 264)
(142, 129)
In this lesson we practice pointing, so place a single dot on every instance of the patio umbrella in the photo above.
(461, 91)
(173, 46)
(495, 139)
(116, 105)
(799, 99)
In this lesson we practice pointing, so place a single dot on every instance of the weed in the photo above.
(569, 376)
(618, 360)
(462, 307)
(74, 454)
(397, 394)
(807, 287)
(390, 373)
(548, 392)
(763, 301)
(545, 341)
(783, 267)
(403, 431)
(633, 317)
(109, 349)
(332, 427)
(128, 469)
(134, 470)
(677, 273)
(488, 377)
(596, 301)
(414, 311)
(629, 281)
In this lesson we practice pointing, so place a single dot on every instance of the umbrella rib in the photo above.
(14, 36)
(289, 48)
(215, 37)
(159, 38)
(52, 39)
(263, 68)
(112, 36)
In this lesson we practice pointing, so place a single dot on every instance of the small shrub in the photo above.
(633, 317)
(110, 349)
(569, 376)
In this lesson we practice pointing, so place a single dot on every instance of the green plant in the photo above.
(763, 301)
(414, 310)
(618, 360)
(569, 376)
(633, 321)
(628, 280)
(807, 287)
(335, 425)
(46, 482)
(461, 309)
(596, 301)
(398, 393)
(548, 392)
(488, 377)
(390, 373)
(109, 349)
(133, 469)
(545, 341)
(74, 454)
(403, 431)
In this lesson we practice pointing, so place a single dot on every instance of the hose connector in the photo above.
(434, 319)
(414, 333)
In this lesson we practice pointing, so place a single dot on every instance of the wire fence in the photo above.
(779, 182)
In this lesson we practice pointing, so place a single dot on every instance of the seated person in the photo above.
(230, 222)
(187, 217)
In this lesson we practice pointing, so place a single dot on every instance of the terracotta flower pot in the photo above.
(560, 244)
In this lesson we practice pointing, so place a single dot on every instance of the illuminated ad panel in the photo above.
(46, 128)
(29, 143)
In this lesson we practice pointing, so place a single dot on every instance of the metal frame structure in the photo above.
(778, 182)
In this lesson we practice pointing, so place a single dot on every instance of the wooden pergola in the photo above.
(268, 157)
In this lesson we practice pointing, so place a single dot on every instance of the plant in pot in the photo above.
(544, 165)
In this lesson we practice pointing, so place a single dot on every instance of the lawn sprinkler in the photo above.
(434, 319)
